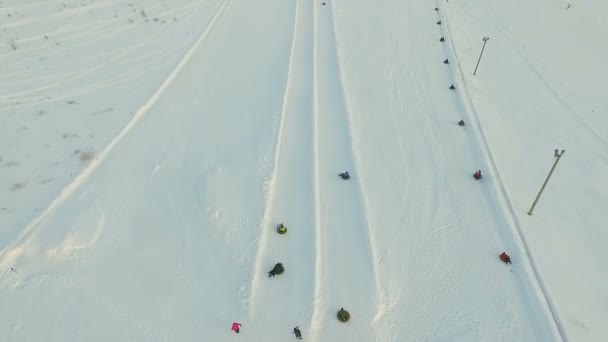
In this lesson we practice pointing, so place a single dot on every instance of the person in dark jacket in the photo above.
(298, 333)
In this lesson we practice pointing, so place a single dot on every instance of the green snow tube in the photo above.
(343, 315)
(281, 229)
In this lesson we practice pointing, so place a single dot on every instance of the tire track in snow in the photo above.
(344, 249)
(499, 186)
(137, 116)
(290, 196)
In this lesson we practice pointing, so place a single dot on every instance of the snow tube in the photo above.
(343, 315)
(281, 229)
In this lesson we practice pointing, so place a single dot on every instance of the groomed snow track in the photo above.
(324, 214)
(499, 189)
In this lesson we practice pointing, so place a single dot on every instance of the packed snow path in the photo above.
(344, 252)
(325, 248)
(290, 199)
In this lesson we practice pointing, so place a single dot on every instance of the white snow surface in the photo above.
(149, 148)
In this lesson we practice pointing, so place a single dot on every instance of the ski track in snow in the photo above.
(341, 221)
(498, 185)
(83, 176)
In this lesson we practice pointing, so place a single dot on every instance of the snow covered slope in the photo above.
(72, 75)
(540, 87)
(180, 132)
(441, 280)
(152, 241)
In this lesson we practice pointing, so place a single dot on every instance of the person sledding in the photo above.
(277, 269)
(281, 229)
(505, 258)
(477, 175)
(344, 175)
(298, 333)
(236, 327)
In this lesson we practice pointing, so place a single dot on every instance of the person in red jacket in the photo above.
(236, 327)
(505, 258)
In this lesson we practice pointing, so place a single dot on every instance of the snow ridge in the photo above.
(319, 302)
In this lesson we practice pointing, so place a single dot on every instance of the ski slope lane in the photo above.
(280, 303)
(498, 191)
(345, 263)
(157, 242)
(439, 231)
(557, 114)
